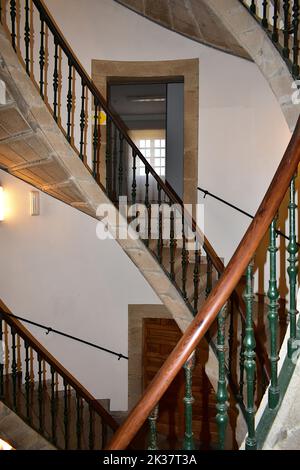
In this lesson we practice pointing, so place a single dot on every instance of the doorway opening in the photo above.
(153, 112)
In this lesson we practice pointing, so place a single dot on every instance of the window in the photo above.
(154, 150)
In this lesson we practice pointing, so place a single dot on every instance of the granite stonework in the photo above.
(18, 434)
(191, 18)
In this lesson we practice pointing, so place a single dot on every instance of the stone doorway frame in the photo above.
(136, 315)
(104, 71)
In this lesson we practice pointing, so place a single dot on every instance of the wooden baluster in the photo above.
(222, 394)
(53, 406)
(286, 29)
(2, 358)
(95, 140)
(209, 267)
(295, 68)
(78, 420)
(230, 337)
(69, 101)
(27, 37)
(108, 155)
(91, 428)
(121, 169)
(13, 14)
(250, 365)
(253, 7)
(55, 81)
(82, 123)
(196, 276)
(133, 186)
(173, 243)
(14, 367)
(152, 418)
(27, 381)
(184, 259)
(41, 393)
(188, 442)
(275, 21)
(42, 57)
(292, 270)
(264, 20)
(66, 414)
(273, 295)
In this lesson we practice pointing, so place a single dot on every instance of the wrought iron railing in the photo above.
(47, 397)
(280, 19)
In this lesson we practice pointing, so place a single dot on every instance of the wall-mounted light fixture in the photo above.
(1, 204)
(34, 203)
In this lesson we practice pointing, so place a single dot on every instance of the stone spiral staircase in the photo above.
(84, 167)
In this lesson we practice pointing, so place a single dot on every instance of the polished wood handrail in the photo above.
(218, 297)
(25, 334)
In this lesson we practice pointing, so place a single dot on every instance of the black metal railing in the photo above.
(45, 395)
(280, 19)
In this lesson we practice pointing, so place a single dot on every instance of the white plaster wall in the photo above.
(54, 270)
(242, 132)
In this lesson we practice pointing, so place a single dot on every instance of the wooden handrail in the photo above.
(218, 297)
(59, 368)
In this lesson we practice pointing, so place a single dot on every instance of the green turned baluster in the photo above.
(95, 141)
(184, 259)
(82, 123)
(208, 276)
(42, 57)
(108, 155)
(273, 295)
(292, 270)
(13, 15)
(14, 368)
(41, 395)
(196, 276)
(1, 357)
(172, 245)
(27, 381)
(69, 101)
(121, 170)
(133, 186)
(55, 81)
(295, 68)
(286, 29)
(152, 418)
(222, 395)
(249, 355)
(27, 37)
(53, 407)
(230, 338)
(188, 443)
(91, 428)
(66, 414)
(78, 420)
(242, 365)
